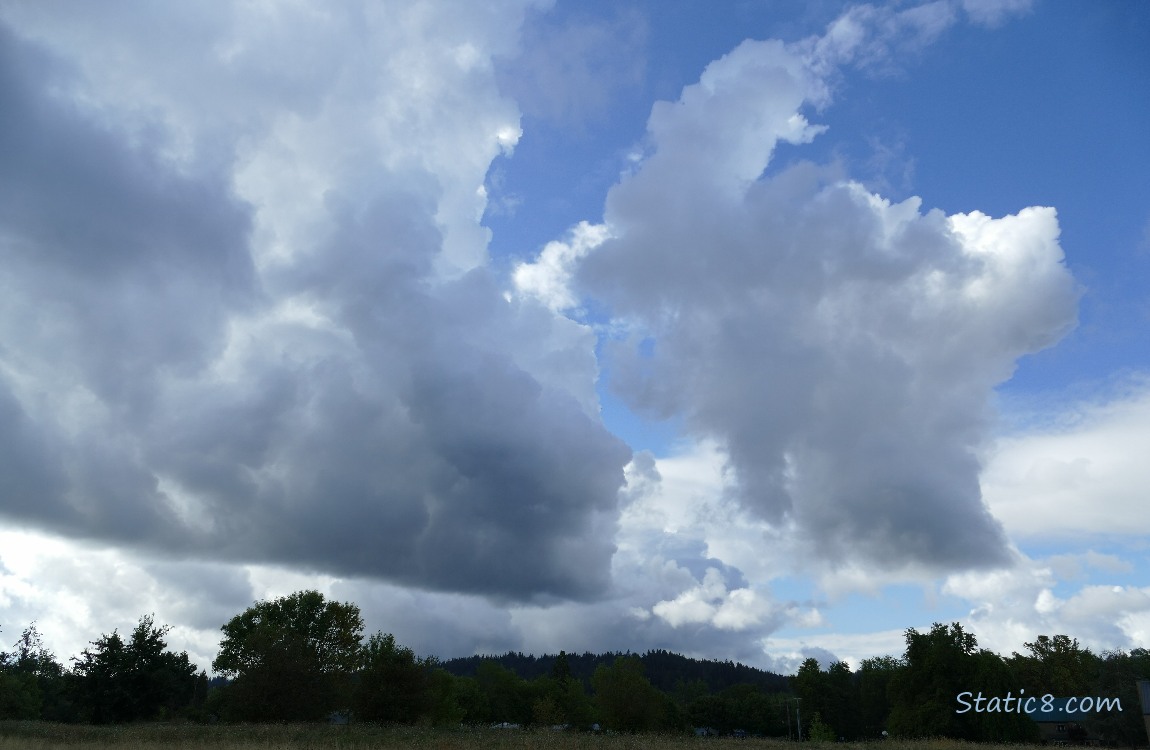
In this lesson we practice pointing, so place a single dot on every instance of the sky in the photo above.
(748, 330)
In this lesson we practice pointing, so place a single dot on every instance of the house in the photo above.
(1061, 727)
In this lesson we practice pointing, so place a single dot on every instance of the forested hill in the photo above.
(667, 671)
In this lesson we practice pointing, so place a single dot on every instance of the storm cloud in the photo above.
(238, 332)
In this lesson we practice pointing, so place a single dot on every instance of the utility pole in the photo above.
(798, 718)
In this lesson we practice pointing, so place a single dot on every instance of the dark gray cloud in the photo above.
(211, 360)
(104, 235)
(438, 624)
(200, 595)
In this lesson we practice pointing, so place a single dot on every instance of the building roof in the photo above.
(1058, 712)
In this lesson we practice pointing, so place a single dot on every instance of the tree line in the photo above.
(116, 680)
(304, 658)
(916, 695)
(665, 670)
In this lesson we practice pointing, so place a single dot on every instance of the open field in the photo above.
(40, 736)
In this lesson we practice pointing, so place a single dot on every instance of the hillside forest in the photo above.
(302, 658)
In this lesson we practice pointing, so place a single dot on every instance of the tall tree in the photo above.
(561, 669)
(626, 699)
(712, 711)
(445, 703)
(1055, 665)
(507, 696)
(874, 679)
(471, 700)
(842, 701)
(1118, 675)
(121, 681)
(752, 710)
(993, 676)
(810, 687)
(939, 666)
(32, 681)
(291, 658)
(394, 686)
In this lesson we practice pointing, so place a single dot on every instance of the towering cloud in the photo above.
(842, 350)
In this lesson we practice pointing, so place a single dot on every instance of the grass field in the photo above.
(39, 736)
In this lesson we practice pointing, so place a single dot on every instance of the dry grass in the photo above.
(39, 736)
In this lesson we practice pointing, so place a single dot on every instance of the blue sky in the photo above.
(749, 330)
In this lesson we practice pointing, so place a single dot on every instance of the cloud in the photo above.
(692, 572)
(75, 592)
(1011, 607)
(872, 38)
(995, 12)
(711, 601)
(248, 313)
(842, 350)
(882, 39)
(548, 277)
(789, 653)
(1081, 473)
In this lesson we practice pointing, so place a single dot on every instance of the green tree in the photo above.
(508, 697)
(559, 701)
(994, 676)
(1055, 665)
(291, 658)
(750, 709)
(778, 720)
(713, 711)
(626, 699)
(1118, 674)
(31, 681)
(545, 711)
(939, 666)
(445, 707)
(561, 670)
(472, 702)
(842, 700)
(685, 693)
(394, 686)
(578, 710)
(874, 678)
(162, 682)
(810, 685)
(101, 673)
(19, 698)
(120, 681)
(198, 711)
(819, 731)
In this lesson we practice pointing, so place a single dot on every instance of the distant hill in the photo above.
(666, 670)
